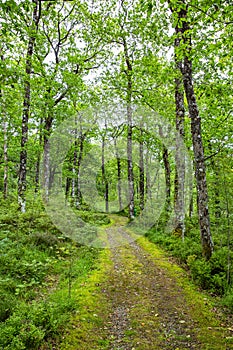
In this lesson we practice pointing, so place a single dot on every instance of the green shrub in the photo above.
(200, 272)
(44, 224)
(31, 324)
(7, 305)
(182, 250)
(44, 241)
(219, 267)
(210, 275)
(227, 299)
(219, 259)
(9, 219)
(219, 283)
(22, 268)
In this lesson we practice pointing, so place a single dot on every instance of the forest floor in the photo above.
(138, 299)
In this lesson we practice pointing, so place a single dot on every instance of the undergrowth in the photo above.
(215, 275)
(38, 267)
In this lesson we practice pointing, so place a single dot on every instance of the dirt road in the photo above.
(141, 300)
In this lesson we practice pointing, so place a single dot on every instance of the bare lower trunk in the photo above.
(141, 171)
(217, 198)
(191, 204)
(118, 176)
(191, 195)
(167, 169)
(73, 189)
(104, 179)
(74, 172)
(148, 178)
(79, 160)
(5, 139)
(37, 177)
(68, 181)
(215, 169)
(200, 172)
(179, 205)
(74, 165)
(119, 183)
(46, 160)
(5, 155)
(5, 143)
(130, 163)
(202, 194)
(46, 165)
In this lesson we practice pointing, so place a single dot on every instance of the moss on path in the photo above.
(137, 299)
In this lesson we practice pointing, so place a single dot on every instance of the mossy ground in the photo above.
(137, 298)
(85, 329)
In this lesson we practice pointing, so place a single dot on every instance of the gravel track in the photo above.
(137, 284)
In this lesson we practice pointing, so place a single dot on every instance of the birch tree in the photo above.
(180, 11)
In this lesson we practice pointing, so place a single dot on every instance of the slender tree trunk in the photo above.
(179, 206)
(129, 71)
(5, 157)
(5, 139)
(79, 160)
(104, 179)
(216, 186)
(191, 194)
(191, 202)
(217, 196)
(141, 170)
(74, 166)
(37, 177)
(68, 182)
(217, 202)
(229, 226)
(46, 160)
(118, 176)
(136, 185)
(107, 197)
(119, 183)
(74, 172)
(148, 178)
(26, 107)
(167, 169)
(200, 171)
(46, 169)
(130, 161)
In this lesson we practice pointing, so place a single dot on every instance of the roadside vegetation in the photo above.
(214, 275)
(38, 267)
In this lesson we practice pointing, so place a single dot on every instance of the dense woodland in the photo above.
(148, 87)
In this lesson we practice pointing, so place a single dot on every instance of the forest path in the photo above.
(141, 300)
